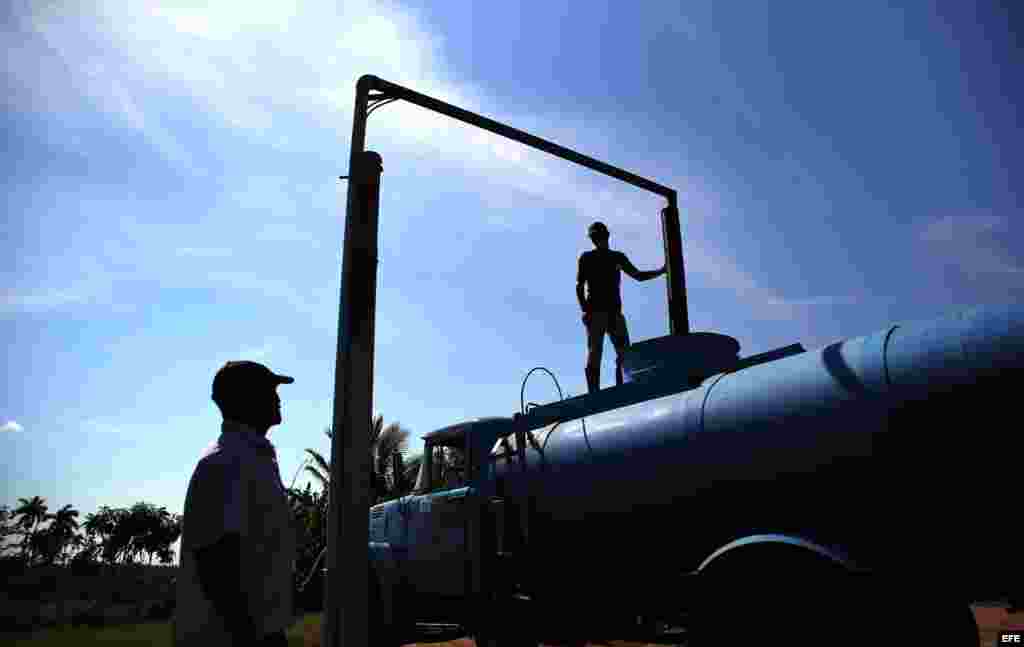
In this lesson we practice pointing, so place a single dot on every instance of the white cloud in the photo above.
(44, 299)
(783, 308)
(11, 426)
(974, 242)
(89, 287)
(820, 301)
(725, 273)
(949, 229)
(91, 283)
(256, 66)
(162, 140)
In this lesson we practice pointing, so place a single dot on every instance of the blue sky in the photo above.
(172, 202)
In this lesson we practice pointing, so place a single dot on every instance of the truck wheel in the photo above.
(898, 613)
(938, 621)
(786, 595)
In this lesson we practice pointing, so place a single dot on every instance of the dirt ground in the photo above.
(307, 634)
(990, 621)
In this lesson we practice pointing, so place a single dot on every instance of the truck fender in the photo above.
(768, 540)
(384, 567)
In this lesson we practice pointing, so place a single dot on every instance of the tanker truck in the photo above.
(866, 492)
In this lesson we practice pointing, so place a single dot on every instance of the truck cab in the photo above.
(431, 535)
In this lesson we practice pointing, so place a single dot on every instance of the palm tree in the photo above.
(64, 527)
(138, 524)
(98, 527)
(7, 529)
(75, 545)
(153, 523)
(48, 544)
(119, 546)
(385, 442)
(87, 552)
(172, 533)
(321, 471)
(114, 530)
(93, 524)
(32, 512)
(162, 529)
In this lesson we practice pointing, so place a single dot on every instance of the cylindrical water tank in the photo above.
(789, 446)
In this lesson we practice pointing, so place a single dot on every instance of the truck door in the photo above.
(437, 548)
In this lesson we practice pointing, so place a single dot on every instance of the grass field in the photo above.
(154, 634)
(307, 633)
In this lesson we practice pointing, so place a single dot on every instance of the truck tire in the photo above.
(791, 596)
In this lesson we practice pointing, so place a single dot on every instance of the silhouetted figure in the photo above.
(238, 541)
(602, 305)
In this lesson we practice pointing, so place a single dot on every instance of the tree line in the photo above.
(132, 535)
(31, 535)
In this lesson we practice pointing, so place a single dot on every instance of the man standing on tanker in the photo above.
(600, 270)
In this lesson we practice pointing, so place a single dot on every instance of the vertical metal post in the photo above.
(346, 582)
(678, 317)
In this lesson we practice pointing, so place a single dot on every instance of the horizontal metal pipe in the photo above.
(392, 90)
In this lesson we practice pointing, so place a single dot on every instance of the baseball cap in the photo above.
(238, 376)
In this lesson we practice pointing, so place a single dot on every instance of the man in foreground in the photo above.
(238, 542)
(599, 270)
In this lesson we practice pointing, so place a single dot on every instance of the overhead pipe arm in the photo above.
(678, 315)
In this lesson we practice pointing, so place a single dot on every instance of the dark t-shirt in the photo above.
(601, 270)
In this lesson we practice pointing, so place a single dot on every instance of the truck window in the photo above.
(444, 468)
(422, 482)
(454, 474)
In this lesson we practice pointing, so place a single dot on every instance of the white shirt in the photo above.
(236, 487)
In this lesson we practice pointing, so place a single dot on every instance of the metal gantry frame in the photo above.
(347, 578)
